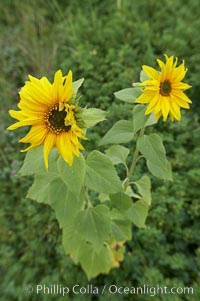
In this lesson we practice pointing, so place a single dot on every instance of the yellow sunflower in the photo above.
(50, 110)
(164, 90)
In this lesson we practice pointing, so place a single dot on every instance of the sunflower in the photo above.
(163, 90)
(50, 110)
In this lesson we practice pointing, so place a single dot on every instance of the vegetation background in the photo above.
(106, 42)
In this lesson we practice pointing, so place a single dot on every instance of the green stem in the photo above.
(134, 160)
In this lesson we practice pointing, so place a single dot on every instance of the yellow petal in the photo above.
(175, 111)
(158, 107)
(158, 115)
(64, 147)
(25, 122)
(161, 64)
(181, 95)
(30, 103)
(57, 86)
(67, 88)
(143, 98)
(165, 107)
(151, 72)
(74, 143)
(28, 148)
(151, 84)
(39, 91)
(49, 143)
(17, 115)
(80, 146)
(36, 93)
(152, 104)
(171, 116)
(69, 78)
(181, 103)
(36, 135)
(178, 73)
(169, 67)
(61, 106)
(180, 86)
(175, 63)
(169, 61)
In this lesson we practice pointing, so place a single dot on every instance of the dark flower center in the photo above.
(55, 121)
(165, 88)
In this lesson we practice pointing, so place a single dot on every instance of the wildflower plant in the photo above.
(95, 208)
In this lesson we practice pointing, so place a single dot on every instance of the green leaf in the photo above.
(94, 225)
(34, 162)
(143, 76)
(49, 189)
(66, 205)
(66, 212)
(138, 213)
(72, 241)
(101, 175)
(46, 188)
(75, 241)
(92, 116)
(94, 263)
(121, 227)
(128, 95)
(77, 84)
(139, 117)
(163, 172)
(152, 148)
(131, 193)
(121, 201)
(117, 154)
(103, 197)
(151, 120)
(121, 132)
(144, 188)
(72, 176)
